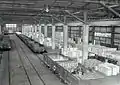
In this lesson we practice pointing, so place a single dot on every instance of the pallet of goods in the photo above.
(48, 42)
(59, 39)
(100, 50)
(68, 65)
(108, 69)
(71, 52)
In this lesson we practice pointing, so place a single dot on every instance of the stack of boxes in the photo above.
(114, 55)
(68, 65)
(108, 69)
(100, 50)
(30, 34)
(36, 38)
(48, 42)
(41, 38)
(59, 39)
(91, 63)
(71, 52)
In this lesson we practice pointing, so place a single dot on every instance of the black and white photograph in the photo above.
(59, 42)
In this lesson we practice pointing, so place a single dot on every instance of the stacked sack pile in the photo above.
(71, 52)
(108, 69)
(59, 39)
(68, 65)
(91, 63)
(48, 42)
(114, 55)
(100, 50)
(36, 37)
(30, 35)
(41, 38)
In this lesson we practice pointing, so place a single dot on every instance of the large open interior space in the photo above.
(59, 42)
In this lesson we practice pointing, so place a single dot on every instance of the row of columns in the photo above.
(65, 32)
(33, 30)
(65, 37)
(85, 38)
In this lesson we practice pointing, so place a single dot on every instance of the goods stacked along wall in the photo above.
(101, 35)
(73, 53)
(59, 39)
(48, 42)
(100, 50)
(117, 36)
(108, 69)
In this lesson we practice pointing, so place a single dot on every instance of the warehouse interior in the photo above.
(59, 42)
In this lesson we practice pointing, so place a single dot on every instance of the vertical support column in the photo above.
(0, 30)
(27, 30)
(35, 28)
(93, 35)
(112, 35)
(45, 31)
(53, 36)
(39, 28)
(32, 31)
(85, 38)
(65, 36)
(23, 27)
(22, 30)
(35, 34)
(42, 30)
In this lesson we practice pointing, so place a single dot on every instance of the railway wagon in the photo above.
(68, 78)
(62, 73)
(33, 45)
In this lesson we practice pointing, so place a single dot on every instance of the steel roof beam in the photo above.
(58, 19)
(75, 17)
(110, 9)
(21, 2)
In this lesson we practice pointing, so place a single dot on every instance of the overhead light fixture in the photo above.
(47, 9)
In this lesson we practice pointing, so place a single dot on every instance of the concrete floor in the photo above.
(4, 69)
(26, 68)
